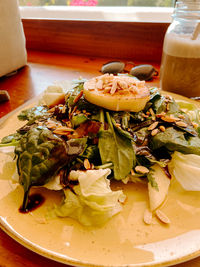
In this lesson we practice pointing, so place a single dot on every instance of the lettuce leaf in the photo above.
(186, 170)
(91, 202)
(190, 109)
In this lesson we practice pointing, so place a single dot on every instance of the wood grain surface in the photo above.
(42, 69)
(124, 40)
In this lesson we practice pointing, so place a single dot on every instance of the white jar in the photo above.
(180, 67)
(12, 41)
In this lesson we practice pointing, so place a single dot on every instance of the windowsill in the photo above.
(131, 14)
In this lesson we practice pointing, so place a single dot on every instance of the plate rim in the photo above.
(64, 259)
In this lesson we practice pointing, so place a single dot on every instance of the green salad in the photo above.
(79, 148)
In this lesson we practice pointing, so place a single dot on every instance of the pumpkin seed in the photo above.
(143, 72)
(113, 67)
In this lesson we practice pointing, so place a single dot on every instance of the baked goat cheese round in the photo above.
(117, 92)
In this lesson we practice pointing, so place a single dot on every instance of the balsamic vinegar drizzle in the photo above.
(34, 202)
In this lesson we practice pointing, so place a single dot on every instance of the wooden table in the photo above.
(42, 70)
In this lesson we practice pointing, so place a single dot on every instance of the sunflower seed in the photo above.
(162, 217)
(141, 169)
(147, 216)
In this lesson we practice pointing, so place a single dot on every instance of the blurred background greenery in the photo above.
(158, 3)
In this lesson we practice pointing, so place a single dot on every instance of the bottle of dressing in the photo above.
(180, 67)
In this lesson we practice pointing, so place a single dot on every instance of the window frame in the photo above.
(128, 14)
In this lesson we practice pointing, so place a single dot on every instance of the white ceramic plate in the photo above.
(124, 241)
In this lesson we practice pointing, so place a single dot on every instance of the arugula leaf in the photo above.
(73, 94)
(120, 130)
(115, 148)
(152, 180)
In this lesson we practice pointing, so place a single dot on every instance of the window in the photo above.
(155, 3)
(106, 10)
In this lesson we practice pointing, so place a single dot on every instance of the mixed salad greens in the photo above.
(79, 148)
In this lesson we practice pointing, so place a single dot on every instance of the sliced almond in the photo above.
(114, 87)
(99, 85)
(92, 166)
(76, 99)
(162, 217)
(162, 128)
(144, 115)
(132, 172)
(195, 125)
(153, 126)
(152, 114)
(147, 216)
(86, 164)
(181, 124)
(168, 119)
(141, 169)
(154, 132)
(62, 130)
(181, 116)
(167, 107)
(175, 118)
(160, 115)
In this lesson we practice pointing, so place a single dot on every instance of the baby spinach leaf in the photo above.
(33, 114)
(10, 140)
(115, 148)
(175, 140)
(40, 155)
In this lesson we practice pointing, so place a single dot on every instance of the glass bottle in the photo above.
(180, 66)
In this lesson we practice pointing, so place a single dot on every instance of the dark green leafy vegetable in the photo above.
(91, 153)
(78, 119)
(120, 130)
(176, 140)
(151, 179)
(40, 155)
(154, 94)
(82, 103)
(145, 157)
(33, 114)
(161, 105)
(115, 148)
(10, 140)
(73, 94)
(170, 107)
